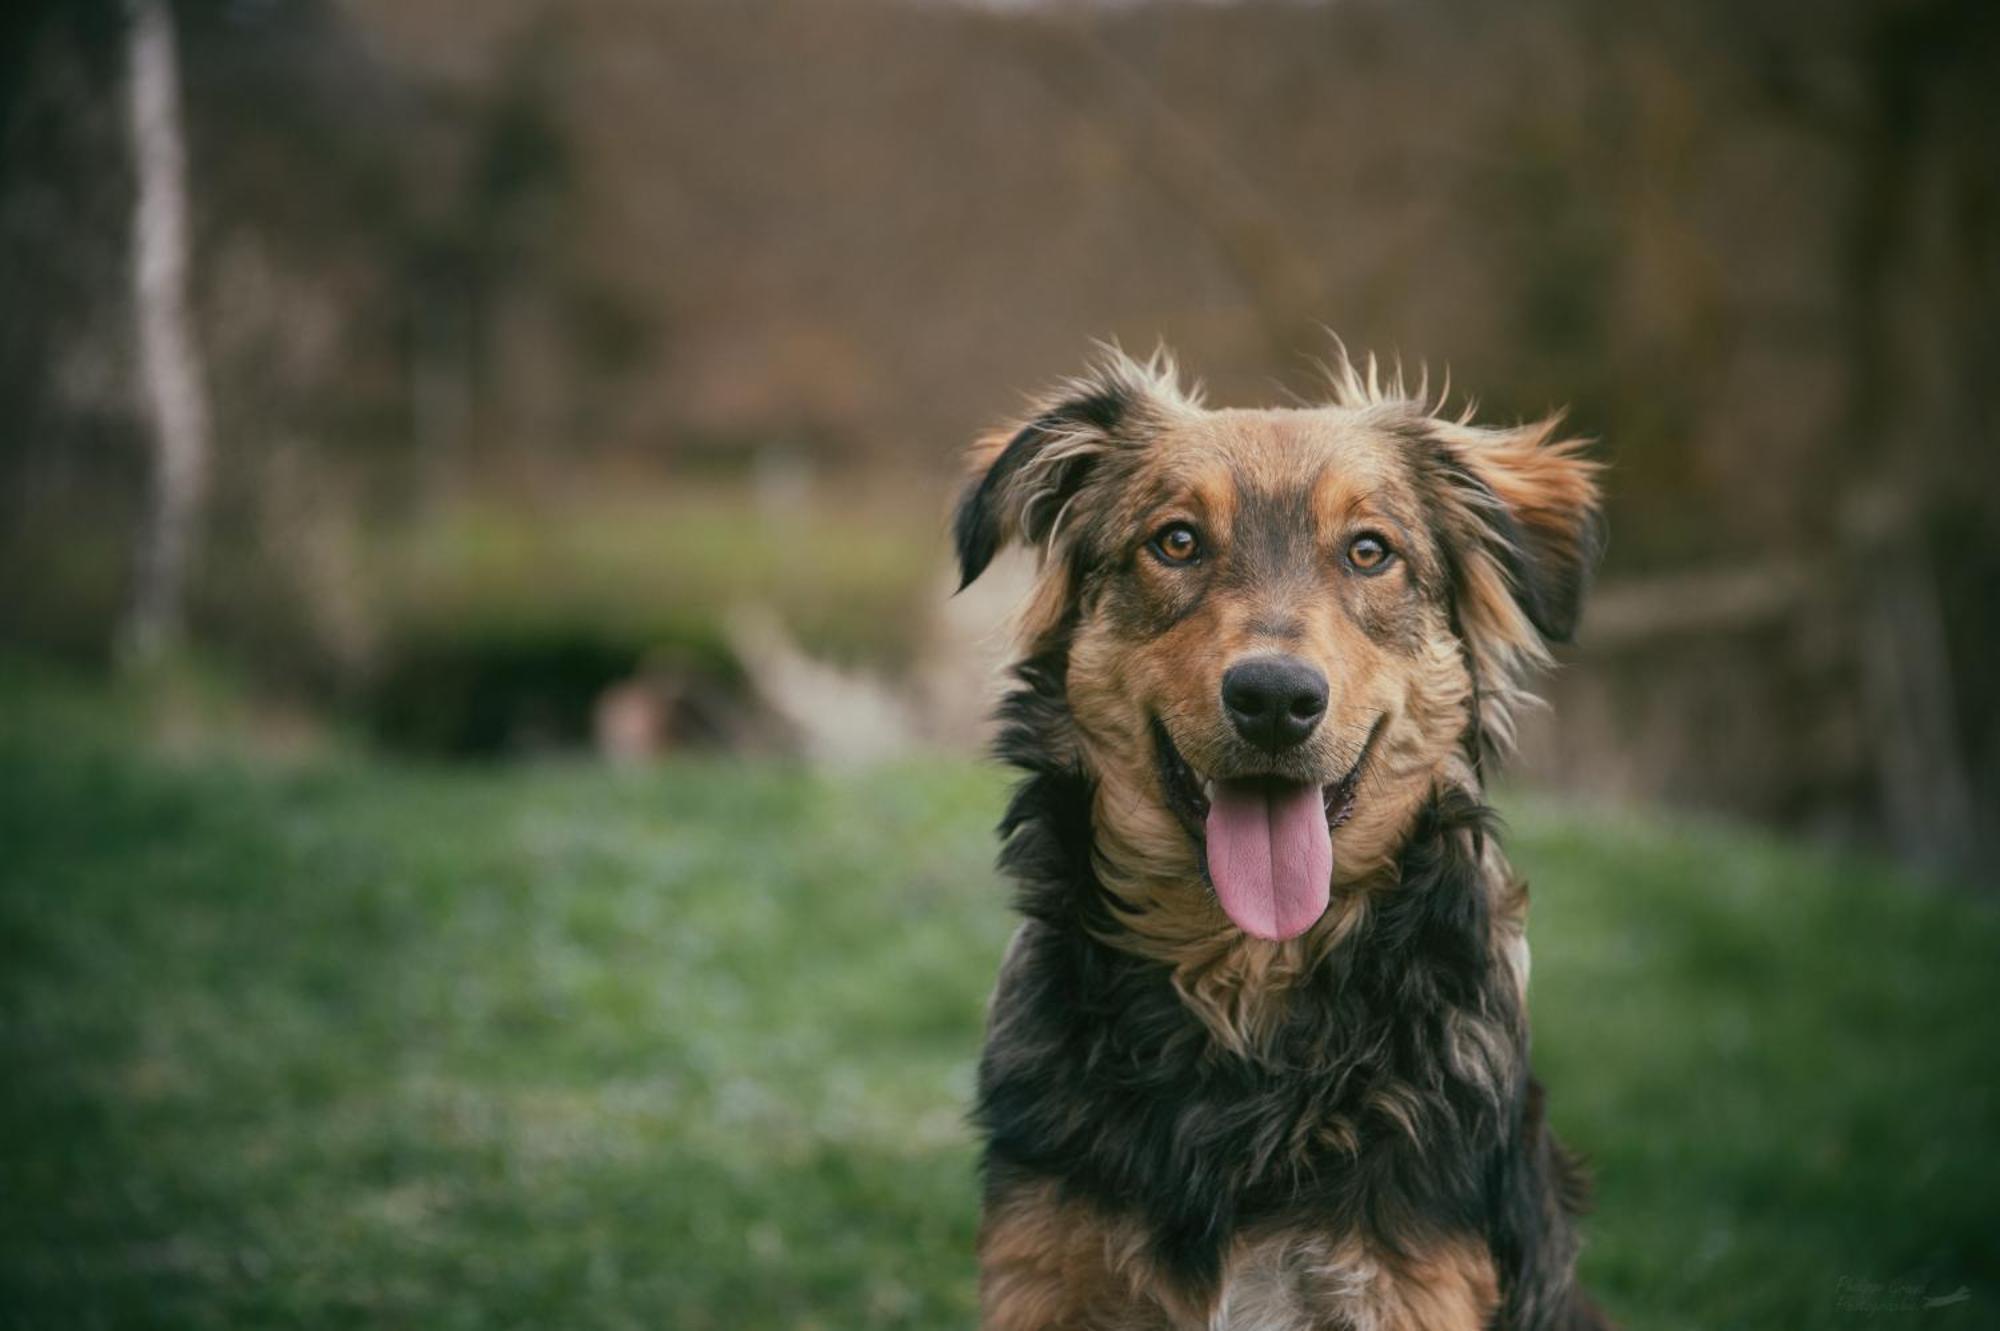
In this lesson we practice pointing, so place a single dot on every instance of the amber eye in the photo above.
(1368, 553)
(1176, 543)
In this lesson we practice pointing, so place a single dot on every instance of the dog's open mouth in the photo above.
(1266, 842)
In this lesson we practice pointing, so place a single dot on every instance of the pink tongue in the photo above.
(1270, 855)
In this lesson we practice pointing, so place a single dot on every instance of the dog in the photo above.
(1257, 1056)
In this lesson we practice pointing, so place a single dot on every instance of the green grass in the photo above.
(337, 1042)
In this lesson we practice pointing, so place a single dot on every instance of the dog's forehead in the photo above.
(1331, 452)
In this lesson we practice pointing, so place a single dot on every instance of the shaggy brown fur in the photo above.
(1187, 1125)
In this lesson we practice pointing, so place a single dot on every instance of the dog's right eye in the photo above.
(1177, 543)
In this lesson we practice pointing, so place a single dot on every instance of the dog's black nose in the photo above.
(1273, 701)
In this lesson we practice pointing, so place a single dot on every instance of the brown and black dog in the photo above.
(1258, 1056)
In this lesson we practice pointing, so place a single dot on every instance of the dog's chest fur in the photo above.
(1289, 1285)
(1382, 1146)
(1292, 1282)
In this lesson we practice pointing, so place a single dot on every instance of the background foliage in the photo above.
(482, 286)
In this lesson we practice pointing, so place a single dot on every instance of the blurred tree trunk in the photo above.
(1913, 59)
(170, 359)
(1918, 76)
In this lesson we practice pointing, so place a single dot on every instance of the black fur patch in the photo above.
(1560, 576)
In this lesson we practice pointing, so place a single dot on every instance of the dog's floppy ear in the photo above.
(1024, 478)
(1517, 517)
(1522, 505)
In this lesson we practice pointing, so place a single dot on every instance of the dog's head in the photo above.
(1279, 629)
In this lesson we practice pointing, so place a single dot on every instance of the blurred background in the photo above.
(487, 753)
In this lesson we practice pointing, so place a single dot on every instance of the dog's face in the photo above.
(1275, 623)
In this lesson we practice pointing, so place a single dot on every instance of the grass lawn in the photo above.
(336, 1042)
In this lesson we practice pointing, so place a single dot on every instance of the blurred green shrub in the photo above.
(503, 620)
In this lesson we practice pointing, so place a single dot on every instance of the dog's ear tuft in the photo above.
(1518, 514)
(1024, 478)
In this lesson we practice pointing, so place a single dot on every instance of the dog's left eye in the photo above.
(1176, 543)
(1368, 553)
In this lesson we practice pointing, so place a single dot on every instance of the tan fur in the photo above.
(1047, 1264)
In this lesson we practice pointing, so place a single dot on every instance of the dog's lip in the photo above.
(1188, 792)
